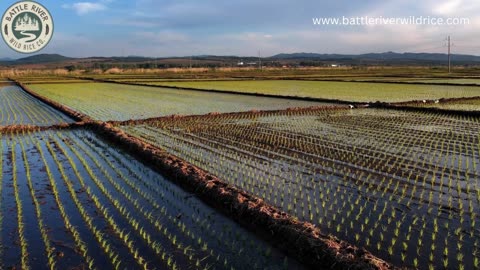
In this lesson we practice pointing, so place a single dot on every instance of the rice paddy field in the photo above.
(422, 80)
(348, 91)
(70, 200)
(108, 101)
(402, 186)
(450, 81)
(19, 108)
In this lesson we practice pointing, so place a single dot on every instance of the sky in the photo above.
(162, 28)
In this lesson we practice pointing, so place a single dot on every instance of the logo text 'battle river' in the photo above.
(27, 27)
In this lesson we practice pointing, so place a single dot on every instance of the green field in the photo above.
(108, 101)
(423, 80)
(349, 91)
(54, 81)
(448, 81)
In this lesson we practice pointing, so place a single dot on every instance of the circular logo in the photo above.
(27, 27)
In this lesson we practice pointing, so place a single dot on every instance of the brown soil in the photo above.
(442, 100)
(406, 107)
(11, 129)
(213, 115)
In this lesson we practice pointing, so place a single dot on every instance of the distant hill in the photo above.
(292, 59)
(310, 56)
(387, 56)
(42, 58)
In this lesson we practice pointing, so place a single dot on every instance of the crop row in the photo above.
(108, 101)
(348, 91)
(404, 185)
(76, 197)
(19, 108)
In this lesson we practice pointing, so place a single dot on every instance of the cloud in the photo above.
(242, 15)
(62, 43)
(187, 27)
(454, 7)
(131, 23)
(161, 38)
(446, 8)
(82, 8)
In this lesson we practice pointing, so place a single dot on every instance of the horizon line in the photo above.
(237, 56)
